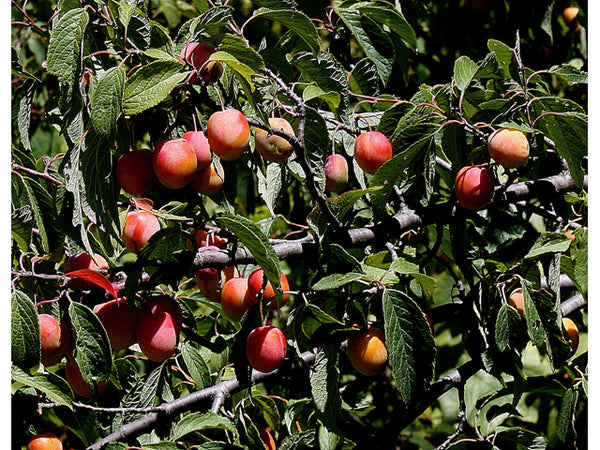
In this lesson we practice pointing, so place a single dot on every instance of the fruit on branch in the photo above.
(267, 439)
(44, 441)
(474, 186)
(367, 352)
(569, 14)
(77, 383)
(265, 348)
(196, 55)
(49, 332)
(81, 261)
(198, 140)
(164, 303)
(211, 280)
(174, 162)
(508, 147)
(572, 332)
(51, 357)
(336, 173)
(158, 335)
(139, 227)
(371, 150)
(228, 134)
(517, 301)
(271, 147)
(209, 181)
(135, 172)
(256, 281)
(205, 238)
(120, 321)
(235, 300)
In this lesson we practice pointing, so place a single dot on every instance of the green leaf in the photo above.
(324, 382)
(32, 187)
(93, 351)
(409, 343)
(234, 64)
(569, 132)
(336, 280)
(549, 243)
(312, 91)
(65, 45)
(196, 365)
(363, 78)
(244, 54)
(268, 408)
(296, 21)
(386, 14)
(276, 4)
(151, 84)
(250, 234)
(519, 439)
(508, 319)
(107, 101)
(24, 98)
(464, 71)
(56, 388)
(25, 333)
(566, 416)
(571, 75)
(202, 421)
(171, 12)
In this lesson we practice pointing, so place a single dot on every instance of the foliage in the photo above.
(93, 80)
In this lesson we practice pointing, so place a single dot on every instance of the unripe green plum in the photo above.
(235, 300)
(197, 55)
(44, 441)
(139, 227)
(174, 163)
(49, 332)
(77, 383)
(81, 261)
(271, 147)
(135, 172)
(266, 348)
(508, 147)
(198, 140)
(51, 357)
(336, 173)
(158, 335)
(120, 321)
(572, 332)
(371, 150)
(228, 134)
(474, 187)
(255, 283)
(367, 352)
(209, 181)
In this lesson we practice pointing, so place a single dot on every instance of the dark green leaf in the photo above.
(25, 333)
(336, 280)
(65, 44)
(296, 21)
(56, 388)
(566, 415)
(107, 102)
(196, 365)
(201, 421)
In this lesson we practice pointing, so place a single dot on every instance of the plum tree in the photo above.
(120, 321)
(84, 260)
(44, 441)
(139, 227)
(174, 162)
(256, 281)
(367, 351)
(228, 134)
(572, 332)
(197, 55)
(235, 300)
(371, 150)
(135, 172)
(198, 140)
(266, 348)
(508, 147)
(209, 181)
(157, 334)
(336, 173)
(474, 186)
(271, 147)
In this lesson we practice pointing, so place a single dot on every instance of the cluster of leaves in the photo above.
(94, 81)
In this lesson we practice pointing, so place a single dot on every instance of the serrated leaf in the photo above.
(56, 388)
(386, 14)
(64, 48)
(464, 71)
(25, 333)
(296, 21)
(94, 277)
(201, 421)
(409, 343)
(268, 408)
(550, 243)
(566, 415)
(324, 382)
(171, 12)
(151, 84)
(234, 64)
(506, 322)
(93, 352)
(23, 98)
(363, 78)
(570, 74)
(250, 234)
(107, 101)
(196, 365)
(28, 185)
(336, 280)
(312, 91)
